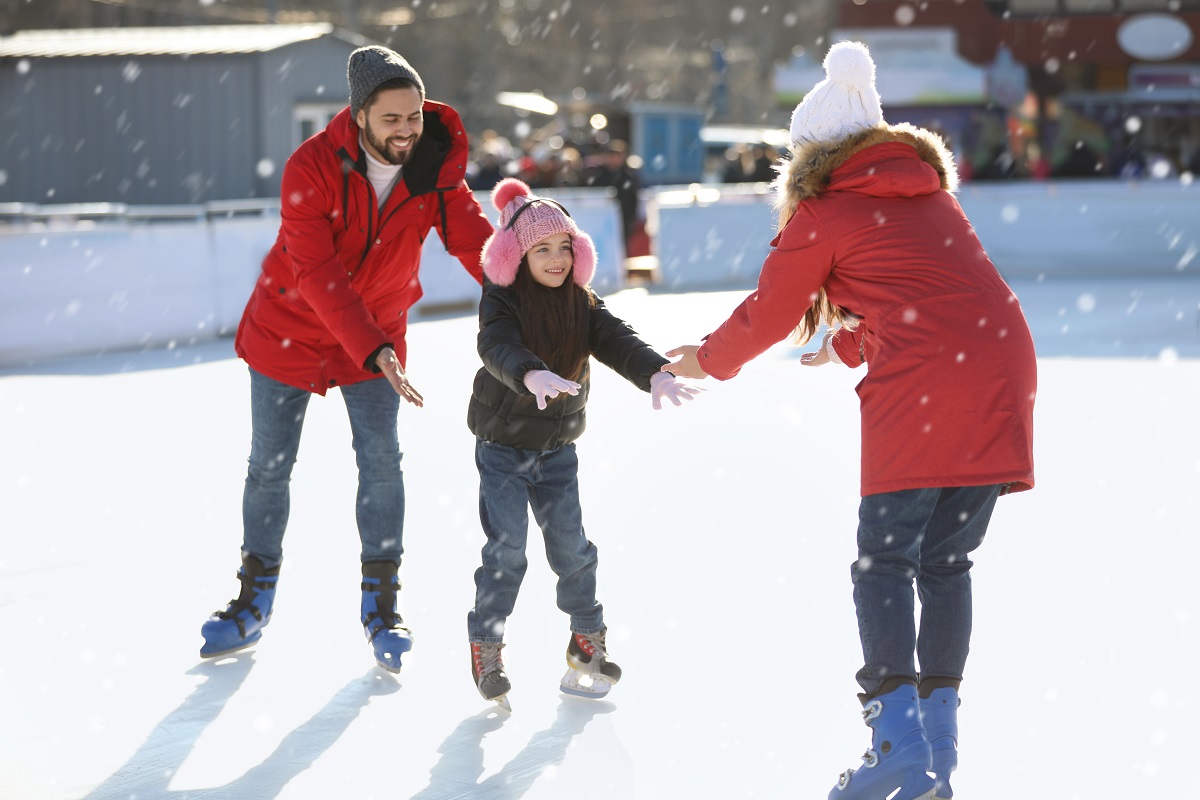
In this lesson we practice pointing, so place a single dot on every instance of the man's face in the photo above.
(392, 124)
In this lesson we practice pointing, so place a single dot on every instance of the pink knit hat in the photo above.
(526, 220)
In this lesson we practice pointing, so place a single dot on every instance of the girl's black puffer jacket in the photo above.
(502, 410)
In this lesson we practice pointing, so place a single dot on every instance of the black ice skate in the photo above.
(487, 670)
(589, 672)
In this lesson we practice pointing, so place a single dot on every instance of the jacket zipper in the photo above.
(372, 209)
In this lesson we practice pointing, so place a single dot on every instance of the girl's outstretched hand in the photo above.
(663, 384)
(686, 367)
(545, 385)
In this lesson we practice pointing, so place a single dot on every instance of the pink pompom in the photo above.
(508, 189)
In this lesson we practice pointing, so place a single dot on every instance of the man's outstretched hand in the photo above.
(389, 365)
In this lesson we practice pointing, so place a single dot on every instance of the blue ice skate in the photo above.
(939, 717)
(382, 624)
(898, 759)
(240, 624)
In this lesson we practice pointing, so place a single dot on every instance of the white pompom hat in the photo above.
(845, 103)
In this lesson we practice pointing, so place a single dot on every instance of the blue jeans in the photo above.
(926, 535)
(510, 482)
(277, 414)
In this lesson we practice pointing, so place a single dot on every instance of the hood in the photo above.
(440, 159)
(885, 161)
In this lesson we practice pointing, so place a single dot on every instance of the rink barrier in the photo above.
(87, 278)
(709, 236)
(95, 277)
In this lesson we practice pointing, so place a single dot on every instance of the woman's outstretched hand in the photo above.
(819, 356)
(686, 367)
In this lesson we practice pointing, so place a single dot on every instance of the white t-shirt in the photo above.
(382, 175)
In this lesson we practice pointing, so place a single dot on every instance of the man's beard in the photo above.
(381, 147)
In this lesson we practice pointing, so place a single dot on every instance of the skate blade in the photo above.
(235, 649)
(929, 795)
(581, 684)
(502, 701)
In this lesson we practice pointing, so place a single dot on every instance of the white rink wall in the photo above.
(710, 237)
(92, 279)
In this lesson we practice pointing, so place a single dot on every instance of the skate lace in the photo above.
(593, 645)
(487, 657)
(870, 758)
(870, 711)
(246, 599)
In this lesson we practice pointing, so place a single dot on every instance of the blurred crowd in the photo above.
(606, 163)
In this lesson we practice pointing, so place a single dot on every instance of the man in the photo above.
(330, 310)
(616, 171)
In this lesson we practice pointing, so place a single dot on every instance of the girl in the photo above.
(873, 244)
(538, 324)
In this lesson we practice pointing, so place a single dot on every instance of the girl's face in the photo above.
(550, 260)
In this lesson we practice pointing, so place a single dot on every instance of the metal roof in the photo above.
(186, 40)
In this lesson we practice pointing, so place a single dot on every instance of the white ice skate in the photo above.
(589, 672)
(487, 670)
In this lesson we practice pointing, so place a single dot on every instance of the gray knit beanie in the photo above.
(370, 66)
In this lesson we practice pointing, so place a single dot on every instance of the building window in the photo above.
(312, 118)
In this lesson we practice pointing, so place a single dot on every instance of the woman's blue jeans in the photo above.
(511, 481)
(277, 415)
(923, 535)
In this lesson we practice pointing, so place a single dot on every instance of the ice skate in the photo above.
(240, 624)
(939, 717)
(487, 670)
(897, 764)
(382, 624)
(589, 672)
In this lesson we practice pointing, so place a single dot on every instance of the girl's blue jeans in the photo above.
(922, 536)
(511, 481)
(277, 415)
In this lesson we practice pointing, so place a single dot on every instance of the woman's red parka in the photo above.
(949, 392)
(339, 281)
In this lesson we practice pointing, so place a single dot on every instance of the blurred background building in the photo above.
(94, 108)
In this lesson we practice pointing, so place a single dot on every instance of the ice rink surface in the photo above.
(725, 530)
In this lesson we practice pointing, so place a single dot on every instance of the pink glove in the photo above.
(663, 384)
(545, 385)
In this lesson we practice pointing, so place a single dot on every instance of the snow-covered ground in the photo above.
(725, 528)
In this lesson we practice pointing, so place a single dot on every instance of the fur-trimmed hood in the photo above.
(810, 170)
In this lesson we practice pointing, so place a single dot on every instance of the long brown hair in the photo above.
(554, 321)
(822, 311)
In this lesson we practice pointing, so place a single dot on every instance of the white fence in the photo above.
(708, 236)
(92, 278)
(85, 279)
